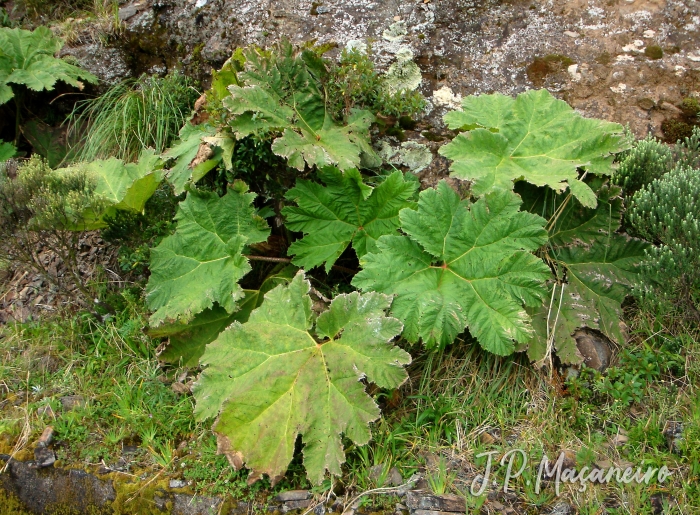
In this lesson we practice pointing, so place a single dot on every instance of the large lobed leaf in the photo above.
(202, 262)
(281, 94)
(49, 142)
(533, 137)
(595, 268)
(280, 375)
(344, 211)
(27, 58)
(187, 341)
(461, 266)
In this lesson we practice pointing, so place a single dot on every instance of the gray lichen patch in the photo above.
(411, 154)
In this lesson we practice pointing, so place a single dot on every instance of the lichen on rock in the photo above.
(411, 154)
(404, 74)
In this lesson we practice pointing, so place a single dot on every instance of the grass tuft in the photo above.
(132, 115)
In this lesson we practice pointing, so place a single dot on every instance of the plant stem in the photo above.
(267, 258)
(18, 111)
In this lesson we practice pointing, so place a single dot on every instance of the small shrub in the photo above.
(133, 115)
(354, 82)
(690, 107)
(687, 151)
(40, 208)
(649, 159)
(666, 212)
(654, 52)
(676, 130)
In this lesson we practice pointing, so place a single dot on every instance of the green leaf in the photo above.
(595, 269)
(28, 59)
(461, 266)
(128, 186)
(7, 151)
(263, 111)
(332, 144)
(598, 279)
(223, 78)
(125, 187)
(227, 145)
(277, 377)
(201, 263)
(574, 223)
(184, 153)
(279, 94)
(187, 341)
(535, 138)
(48, 142)
(344, 211)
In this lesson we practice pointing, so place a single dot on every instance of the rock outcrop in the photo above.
(631, 61)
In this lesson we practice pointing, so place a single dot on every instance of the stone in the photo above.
(130, 449)
(293, 495)
(180, 388)
(673, 431)
(45, 410)
(71, 402)
(659, 501)
(619, 439)
(375, 472)
(574, 73)
(38, 490)
(127, 12)
(184, 504)
(395, 478)
(296, 505)
(46, 437)
(426, 501)
(469, 47)
(646, 103)
(603, 464)
(562, 508)
(594, 347)
(177, 483)
(43, 457)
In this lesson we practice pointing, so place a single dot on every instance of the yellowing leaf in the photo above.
(280, 375)
(595, 269)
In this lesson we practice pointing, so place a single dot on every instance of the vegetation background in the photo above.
(119, 399)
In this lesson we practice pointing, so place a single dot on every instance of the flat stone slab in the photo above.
(428, 503)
